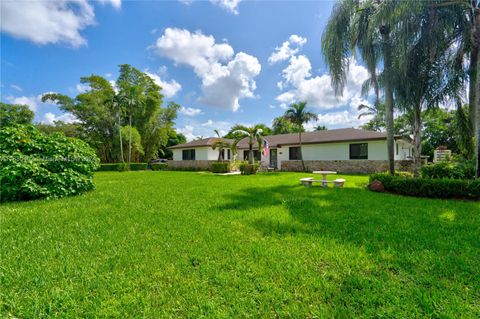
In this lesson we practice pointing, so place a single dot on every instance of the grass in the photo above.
(183, 244)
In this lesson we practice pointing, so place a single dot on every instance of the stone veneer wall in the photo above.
(347, 166)
(197, 164)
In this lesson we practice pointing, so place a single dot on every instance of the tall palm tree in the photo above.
(297, 114)
(130, 101)
(116, 104)
(363, 26)
(221, 144)
(253, 133)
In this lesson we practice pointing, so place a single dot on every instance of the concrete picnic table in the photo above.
(324, 174)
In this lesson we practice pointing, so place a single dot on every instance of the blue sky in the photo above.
(225, 62)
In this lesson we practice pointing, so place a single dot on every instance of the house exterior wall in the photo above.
(201, 154)
(347, 166)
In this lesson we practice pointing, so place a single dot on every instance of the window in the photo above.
(256, 155)
(294, 153)
(359, 151)
(228, 154)
(188, 155)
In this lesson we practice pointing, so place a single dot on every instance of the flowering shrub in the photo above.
(34, 165)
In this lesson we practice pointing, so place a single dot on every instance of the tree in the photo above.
(282, 125)
(11, 114)
(321, 128)
(174, 138)
(220, 144)
(68, 129)
(298, 115)
(253, 133)
(363, 26)
(131, 137)
(116, 104)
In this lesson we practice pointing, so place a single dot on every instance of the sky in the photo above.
(225, 62)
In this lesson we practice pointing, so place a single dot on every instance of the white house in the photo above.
(346, 149)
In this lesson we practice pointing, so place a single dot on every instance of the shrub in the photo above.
(429, 187)
(159, 166)
(122, 167)
(138, 166)
(108, 167)
(220, 167)
(34, 165)
(453, 170)
(249, 169)
(186, 169)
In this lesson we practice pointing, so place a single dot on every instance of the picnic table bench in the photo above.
(308, 182)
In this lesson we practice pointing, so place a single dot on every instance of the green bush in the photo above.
(159, 166)
(249, 169)
(453, 170)
(185, 169)
(34, 165)
(122, 167)
(108, 167)
(138, 166)
(429, 187)
(220, 167)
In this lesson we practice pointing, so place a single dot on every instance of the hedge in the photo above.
(454, 170)
(159, 166)
(429, 187)
(138, 166)
(220, 167)
(108, 167)
(121, 167)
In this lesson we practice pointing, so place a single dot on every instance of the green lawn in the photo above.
(189, 244)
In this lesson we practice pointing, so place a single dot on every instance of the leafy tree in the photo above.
(282, 125)
(220, 144)
(132, 138)
(11, 114)
(174, 138)
(68, 129)
(252, 133)
(298, 115)
(321, 128)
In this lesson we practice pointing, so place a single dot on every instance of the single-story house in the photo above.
(344, 150)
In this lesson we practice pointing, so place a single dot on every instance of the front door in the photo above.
(273, 158)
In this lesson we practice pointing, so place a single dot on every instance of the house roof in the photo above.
(205, 142)
(316, 137)
(320, 137)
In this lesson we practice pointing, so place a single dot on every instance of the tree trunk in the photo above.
(417, 142)
(472, 94)
(120, 137)
(387, 58)
(130, 141)
(476, 48)
(300, 150)
(251, 160)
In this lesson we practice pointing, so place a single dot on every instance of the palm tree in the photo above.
(221, 144)
(298, 115)
(116, 103)
(362, 26)
(253, 133)
(130, 101)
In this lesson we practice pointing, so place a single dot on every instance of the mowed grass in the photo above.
(189, 244)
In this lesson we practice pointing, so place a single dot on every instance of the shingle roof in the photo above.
(318, 137)
(200, 143)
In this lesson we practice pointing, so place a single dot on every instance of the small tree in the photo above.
(253, 133)
(221, 144)
(298, 115)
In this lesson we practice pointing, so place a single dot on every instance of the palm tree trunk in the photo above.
(387, 58)
(130, 140)
(251, 160)
(472, 95)
(417, 143)
(476, 49)
(120, 137)
(300, 150)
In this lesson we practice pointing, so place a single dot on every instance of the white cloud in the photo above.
(82, 88)
(117, 4)
(229, 5)
(317, 91)
(16, 87)
(288, 49)
(169, 88)
(31, 101)
(44, 22)
(226, 78)
(50, 118)
(194, 129)
(189, 111)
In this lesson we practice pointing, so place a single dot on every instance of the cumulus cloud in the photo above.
(31, 101)
(288, 49)
(194, 129)
(45, 22)
(117, 4)
(226, 78)
(189, 111)
(50, 118)
(169, 88)
(229, 5)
